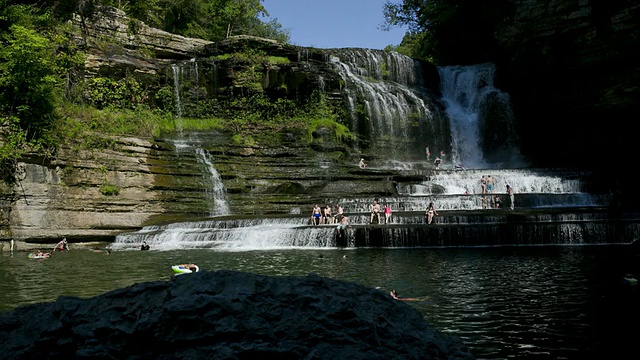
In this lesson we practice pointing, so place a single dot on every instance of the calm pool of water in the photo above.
(518, 302)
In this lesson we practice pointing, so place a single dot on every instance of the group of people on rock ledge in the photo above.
(487, 184)
(323, 216)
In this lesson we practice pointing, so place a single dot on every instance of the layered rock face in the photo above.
(227, 315)
(142, 51)
(93, 195)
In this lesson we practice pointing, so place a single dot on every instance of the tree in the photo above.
(27, 78)
(449, 31)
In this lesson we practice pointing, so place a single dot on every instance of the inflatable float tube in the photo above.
(179, 269)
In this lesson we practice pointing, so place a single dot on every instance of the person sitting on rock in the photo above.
(437, 162)
(362, 164)
(328, 219)
(315, 215)
(61, 245)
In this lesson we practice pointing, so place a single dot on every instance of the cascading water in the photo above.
(216, 190)
(235, 235)
(480, 117)
(388, 102)
(177, 71)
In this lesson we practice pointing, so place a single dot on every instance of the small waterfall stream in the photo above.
(177, 72)
(215, 190)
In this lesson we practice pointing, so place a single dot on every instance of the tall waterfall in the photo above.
(480, 117)
(388, 102)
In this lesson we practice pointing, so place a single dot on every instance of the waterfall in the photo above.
(177, 71)
(387, 101)
(216, 190)
(480, 117)
(232, 235)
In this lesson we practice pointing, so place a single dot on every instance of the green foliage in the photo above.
(109, 190)
(35, 57)
(88, 128)
(212, 20)
(125, 93)
(27, 82)
(278, 60)
(320, 114)
(340, 131)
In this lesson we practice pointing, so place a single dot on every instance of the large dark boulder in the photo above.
(227, 315)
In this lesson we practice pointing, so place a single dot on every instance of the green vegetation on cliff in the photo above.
(46, 99)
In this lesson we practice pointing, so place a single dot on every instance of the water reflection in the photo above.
(521, 302)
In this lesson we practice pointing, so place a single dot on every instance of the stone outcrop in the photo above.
(117, 49)
(227, 315)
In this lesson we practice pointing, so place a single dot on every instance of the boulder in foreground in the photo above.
(227, 315)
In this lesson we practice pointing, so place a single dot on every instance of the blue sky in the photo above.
(334, 23)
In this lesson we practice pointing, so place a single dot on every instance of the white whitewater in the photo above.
(521, 180)
(177, 72)
(237, 235)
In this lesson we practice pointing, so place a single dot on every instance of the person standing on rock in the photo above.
(437, 162)
(431, 212)
(511, 197)
(387, 213)
(490, 184)
(375, 211)
(483, 185)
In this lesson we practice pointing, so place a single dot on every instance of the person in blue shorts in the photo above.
(315, 215)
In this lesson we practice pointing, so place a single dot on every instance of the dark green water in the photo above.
(518, 302)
